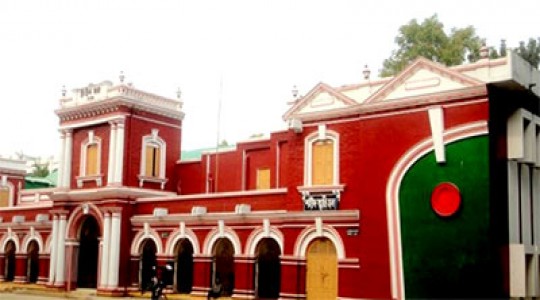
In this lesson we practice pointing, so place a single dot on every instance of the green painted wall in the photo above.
(448, 257)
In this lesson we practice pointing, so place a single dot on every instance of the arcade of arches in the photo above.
(189, 272)
(321, 271)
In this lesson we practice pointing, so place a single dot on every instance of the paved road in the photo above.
(18, 296)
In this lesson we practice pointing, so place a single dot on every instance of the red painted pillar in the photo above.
(20, 267)
(293, 274)
(2, 267)
(201, 274)
(134, 272)
(43, 275)
(243, 276)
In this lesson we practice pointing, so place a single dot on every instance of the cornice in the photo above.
(253, 216)
(112, 105)
(107, 193)
(397, 104)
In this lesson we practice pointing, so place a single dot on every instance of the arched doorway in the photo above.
(267, 269)
(147, 263)
(223, 265)
(9, 252)
(88, 253)
(322, 271)
(32, 264)
(184, 266)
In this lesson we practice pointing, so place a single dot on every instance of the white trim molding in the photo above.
(266, 231)
(222, 232)
(182, 233)
(146, 233)
(318, 230)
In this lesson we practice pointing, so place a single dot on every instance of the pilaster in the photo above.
(112, 154)
(114, 259)
(104, 265)
(119, 148)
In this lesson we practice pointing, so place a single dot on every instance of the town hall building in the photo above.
(422, 185)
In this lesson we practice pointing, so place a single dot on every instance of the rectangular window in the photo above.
(263, 179)
(4, 197)
(92, 160)
(323, 163)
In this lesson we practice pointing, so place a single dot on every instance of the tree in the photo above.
(40, 170)
(530, 52)
(429, 40)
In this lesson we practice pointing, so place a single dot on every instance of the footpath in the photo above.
(84, 294)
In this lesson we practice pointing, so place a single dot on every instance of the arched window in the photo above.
(322, 188)
(322, 158)
(6, 195)
(153, 158)
(90, 166)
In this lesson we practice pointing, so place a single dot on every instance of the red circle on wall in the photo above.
(445, 199)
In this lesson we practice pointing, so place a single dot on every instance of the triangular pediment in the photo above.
(422, 77)
(321, 98)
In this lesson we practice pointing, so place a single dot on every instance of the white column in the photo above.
(112, 156)
(104, 267)
(119, 161)
(61, 251)
(54, 250)
(61, 159)
(114, 260)
(67, 161)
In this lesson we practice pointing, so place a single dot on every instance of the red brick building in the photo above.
(420, 185)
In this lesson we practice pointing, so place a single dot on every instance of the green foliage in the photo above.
(429, 40)
(40, 170)
(530, 51)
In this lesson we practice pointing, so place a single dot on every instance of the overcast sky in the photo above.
(257, 49)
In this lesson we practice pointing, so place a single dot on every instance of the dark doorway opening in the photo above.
(9, 253)
(148, 263)
(32, 262)
(88, 254)
(267, 269)
(184, 266)
(223, 266)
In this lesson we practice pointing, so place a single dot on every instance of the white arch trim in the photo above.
(32, 235)
(84, 209)
(260, 233)
(178, 235)
(392, 194)
(216, 234)
(143, 235)
(10, 236)
(311, 233)
(48, 242)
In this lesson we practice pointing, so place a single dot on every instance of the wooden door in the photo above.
(322, 271)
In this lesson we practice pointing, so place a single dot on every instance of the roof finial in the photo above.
(63, 91)
(122, 77)
(294, 91)
(179, 93)
(366, 72)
